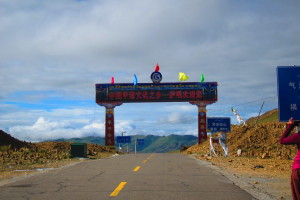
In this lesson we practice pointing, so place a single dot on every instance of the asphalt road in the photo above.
(128, 177)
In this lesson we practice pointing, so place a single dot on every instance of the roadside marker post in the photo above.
(123, 140)
(138, 142)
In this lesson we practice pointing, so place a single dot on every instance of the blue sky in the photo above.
(54, 52)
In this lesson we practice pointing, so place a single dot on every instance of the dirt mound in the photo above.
(56, 147)
(65, 147)
(15, 154)
(8, 140)
(254, 140)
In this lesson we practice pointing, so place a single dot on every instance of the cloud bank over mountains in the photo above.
(53, 53)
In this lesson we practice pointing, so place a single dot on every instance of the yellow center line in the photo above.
(145, 161)
(118, 189)
(137, 168)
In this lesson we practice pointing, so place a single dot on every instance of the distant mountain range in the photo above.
(152, 143)
(162, 144)
(159, 144)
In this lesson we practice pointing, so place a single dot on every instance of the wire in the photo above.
(170, 123)
(258, 100)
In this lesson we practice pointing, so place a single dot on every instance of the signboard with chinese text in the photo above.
(157, 92)
(288, 89)
(218, 124)
(140, 141)
(123, 139)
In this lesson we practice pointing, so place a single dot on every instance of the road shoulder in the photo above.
(260, 187)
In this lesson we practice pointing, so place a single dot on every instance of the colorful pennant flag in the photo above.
(157, 68)
(135, 81)
(237, 116)
(112, 80)
(202, 78)
(182, 76)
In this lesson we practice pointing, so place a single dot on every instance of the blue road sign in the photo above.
(123, 139)
(140, 141)
(288, 89)
(218, 124)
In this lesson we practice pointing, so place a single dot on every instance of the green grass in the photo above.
(268, 117)
(4, 148)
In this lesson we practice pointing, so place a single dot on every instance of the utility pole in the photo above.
(259, 112)
(122, 145)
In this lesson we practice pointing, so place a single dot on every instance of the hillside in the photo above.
(259, 140)
(268, 117)
(254, 141)
(16, 154)
(158, 144)
(167, 143)
(90, 139)
(8, 140)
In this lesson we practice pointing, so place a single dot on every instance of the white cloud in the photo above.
(183, 107)
(124, 126)
(50, 130)
(94, 126)
(178, 118)
(43, 129)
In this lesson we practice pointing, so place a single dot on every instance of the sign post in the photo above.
(218, 124)
(123, 139)
(138, 142)
(288, 89)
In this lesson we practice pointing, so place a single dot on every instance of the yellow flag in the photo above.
(183, 77)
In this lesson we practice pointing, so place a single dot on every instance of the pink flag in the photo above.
(112, 80)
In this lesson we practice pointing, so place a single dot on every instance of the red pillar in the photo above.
(202, 132)
(109, 127)
(110, 123)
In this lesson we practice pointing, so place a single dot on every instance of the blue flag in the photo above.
(135, 81)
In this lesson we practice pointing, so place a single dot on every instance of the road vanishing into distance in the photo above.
(127, 177)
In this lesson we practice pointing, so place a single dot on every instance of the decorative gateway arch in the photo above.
(200, 94)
